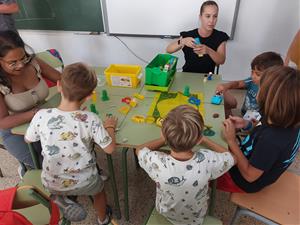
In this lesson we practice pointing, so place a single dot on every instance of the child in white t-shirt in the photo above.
(67, 135)
(183, 175)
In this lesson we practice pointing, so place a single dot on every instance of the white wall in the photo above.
(262, 25)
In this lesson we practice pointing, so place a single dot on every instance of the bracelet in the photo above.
(110, 127)
(248, 127)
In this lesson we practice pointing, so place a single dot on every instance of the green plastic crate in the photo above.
(155, 73)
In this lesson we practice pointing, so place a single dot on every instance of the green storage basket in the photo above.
(155, 73)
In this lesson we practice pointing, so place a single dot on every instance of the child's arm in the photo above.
(110, 126)
(215, 147)
(238, 84)
(212, 145)
(32, 133)
(48, 71)
(152, 145)
(249, 172)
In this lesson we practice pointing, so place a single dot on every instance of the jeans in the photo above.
(17, 147)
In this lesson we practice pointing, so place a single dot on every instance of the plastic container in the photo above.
(160, 70)
(122, 75)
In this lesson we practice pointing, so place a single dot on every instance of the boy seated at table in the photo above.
(182, 176)
(67, 135)
(260, 63)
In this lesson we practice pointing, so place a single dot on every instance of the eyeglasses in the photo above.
(14, 64)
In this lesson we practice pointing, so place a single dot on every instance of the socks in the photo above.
(105, 222)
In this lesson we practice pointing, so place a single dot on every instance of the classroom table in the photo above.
(128, 130)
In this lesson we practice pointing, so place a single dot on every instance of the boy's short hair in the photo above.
(78, 81)
(279, 96)
(182, 128)
(266, 60)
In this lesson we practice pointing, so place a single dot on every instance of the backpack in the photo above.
(10, 217)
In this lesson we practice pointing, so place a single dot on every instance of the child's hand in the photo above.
(189, 42)
(220, 89)
(110, 121)
(238, 122)
(229, 130)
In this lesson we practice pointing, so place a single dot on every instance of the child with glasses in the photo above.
(22, 88)
(258, 65)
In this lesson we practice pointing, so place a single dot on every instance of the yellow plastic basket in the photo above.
(122, 75)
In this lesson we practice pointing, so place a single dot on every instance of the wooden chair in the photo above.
(33, 204)
(1, 146)
(275, 204)
(293, 53)
(157, 219)
(33, 178)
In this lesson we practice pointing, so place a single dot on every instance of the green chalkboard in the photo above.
(68, 15)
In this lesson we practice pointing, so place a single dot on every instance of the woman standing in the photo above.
(211, 51)
(21, 90)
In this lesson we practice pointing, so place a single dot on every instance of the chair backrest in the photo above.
(278, 202)
(157, 219)
(294, 50)
(27, 205)
(52, 57)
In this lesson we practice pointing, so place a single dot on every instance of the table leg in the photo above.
(34, 156)
(113, 185)
(212, 202)
(125, 182)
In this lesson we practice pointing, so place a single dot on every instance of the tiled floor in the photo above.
(141, 190)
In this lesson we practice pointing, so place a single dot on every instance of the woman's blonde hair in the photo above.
(279, 96)
(182, 128)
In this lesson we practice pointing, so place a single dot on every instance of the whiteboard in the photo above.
(163, 17)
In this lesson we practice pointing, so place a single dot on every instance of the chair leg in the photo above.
(240, 211)
(137, 165)
(65, 222)
(1, 174)
(212, 202)
(125, 182)
(113, 185)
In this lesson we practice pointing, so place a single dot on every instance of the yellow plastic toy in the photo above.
(138, 96)
(150, 119)
(133, 102)
(124, 109)
(138, 119)
(94, 97)
(159, 121)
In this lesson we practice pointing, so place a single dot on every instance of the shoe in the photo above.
(71, 210)
(107, 218)
(21, 171)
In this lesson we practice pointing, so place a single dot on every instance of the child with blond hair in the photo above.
(182, 176)
(67, 135)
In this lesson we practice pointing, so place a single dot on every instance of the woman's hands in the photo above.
(201, 49)
(198, 49)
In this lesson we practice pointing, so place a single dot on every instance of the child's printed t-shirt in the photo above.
(67, 142)
(182, 186)
(250, 102)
